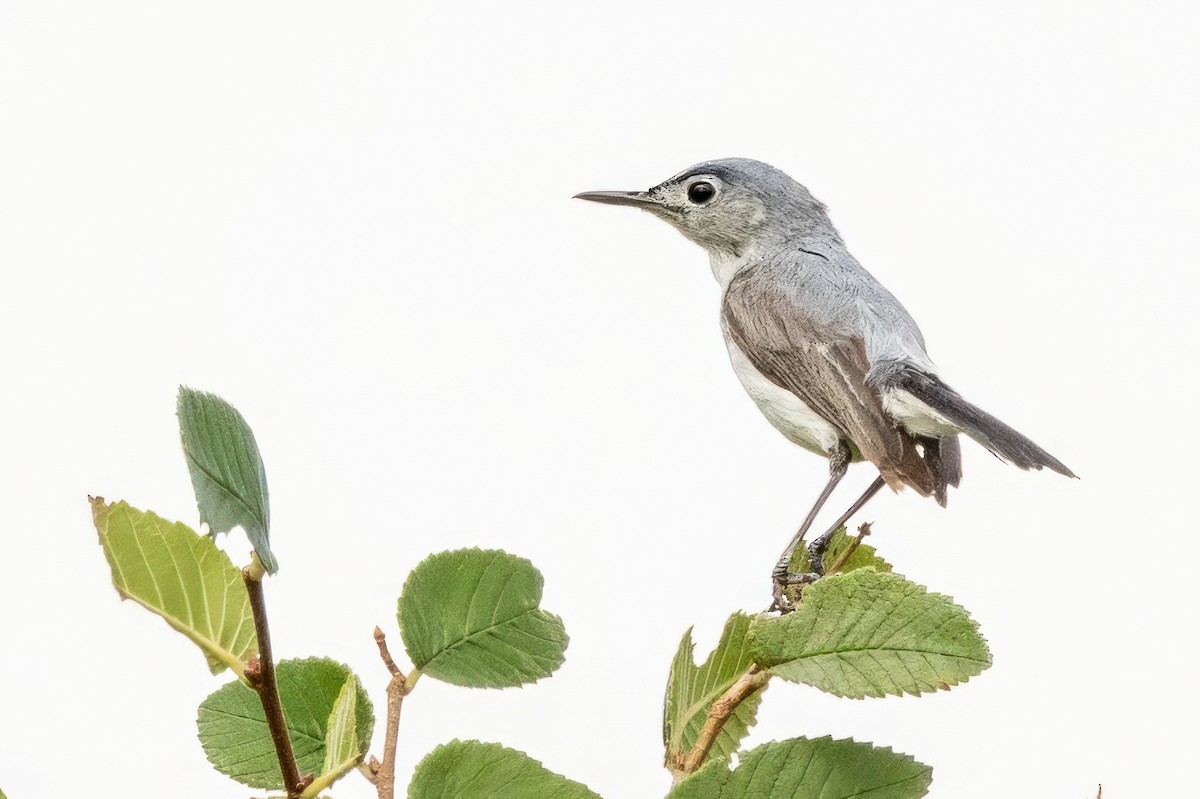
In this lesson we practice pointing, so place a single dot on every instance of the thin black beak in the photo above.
(639, 199)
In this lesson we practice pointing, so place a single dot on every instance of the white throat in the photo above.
(725, 265)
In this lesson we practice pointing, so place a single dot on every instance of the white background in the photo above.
(354, 222)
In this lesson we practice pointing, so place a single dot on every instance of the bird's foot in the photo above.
(816, 552)
(786, 587)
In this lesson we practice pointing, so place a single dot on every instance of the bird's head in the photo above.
(727, 206)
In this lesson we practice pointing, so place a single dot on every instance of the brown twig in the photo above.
(751, 682)
(398, 688)
(381, 642)
(261, 676)
(864, 530)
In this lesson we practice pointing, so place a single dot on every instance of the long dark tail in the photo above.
(1002, 440)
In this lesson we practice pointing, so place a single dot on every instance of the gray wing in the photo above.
(825, 364)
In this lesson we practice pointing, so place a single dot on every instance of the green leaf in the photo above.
(474, 770)
(471, 617)
(868, 633)
(227, 471)
(343, 749)
(692, 689)
(328, 714)
(863, 556)
(173, 571)
(800, 768)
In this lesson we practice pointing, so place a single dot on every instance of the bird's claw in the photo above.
(816, 553)
(783, 600)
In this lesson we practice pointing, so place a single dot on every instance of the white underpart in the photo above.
(915, 416)
(783, 409)
(726, 265)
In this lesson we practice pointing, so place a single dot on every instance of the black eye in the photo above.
(701, 192)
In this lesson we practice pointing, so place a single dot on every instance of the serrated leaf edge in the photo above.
(212, 650)
(261, 520)
(293, 732)
(742, 754)
(903, 691)
(695, 707)
(537, 608)
(496, 747)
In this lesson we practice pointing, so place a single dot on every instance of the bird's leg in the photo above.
(839, 462)
(816, 549)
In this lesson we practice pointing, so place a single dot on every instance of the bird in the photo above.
(827, 353)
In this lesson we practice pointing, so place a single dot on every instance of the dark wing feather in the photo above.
(827, 369)
(944, 456)
(1002, 440)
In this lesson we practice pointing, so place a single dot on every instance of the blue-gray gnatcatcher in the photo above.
(830, 357)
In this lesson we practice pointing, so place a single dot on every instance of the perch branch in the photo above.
(260, 673)
(398, 688)
(751, 682)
